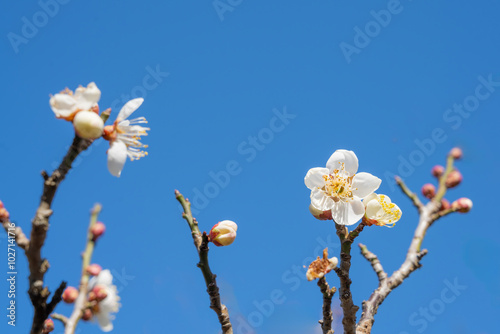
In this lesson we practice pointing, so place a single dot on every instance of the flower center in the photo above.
(338, 186)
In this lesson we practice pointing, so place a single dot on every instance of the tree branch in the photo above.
(411, 195)
(201, 244)
(345, 295)
(326, 323)
(21, 240)
(81, 300)
(375, 262)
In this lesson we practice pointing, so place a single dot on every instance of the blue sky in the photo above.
(268, 90)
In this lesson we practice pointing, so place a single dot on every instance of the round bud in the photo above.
(48, 326)
(223, 233)
(456, 153)
(70, 295)
(321, 215)
(97, 230)
(453, 179)
(93, 269)
(445, 204)
(462, 205)
(88, 125)
(437, 171)
(428, 190)
(87, 314)
(99, 292)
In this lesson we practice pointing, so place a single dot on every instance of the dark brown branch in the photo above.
(326, 323)
(345, 295)
(201, 244)
(21, 240)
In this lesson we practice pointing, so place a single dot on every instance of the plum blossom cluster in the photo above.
(341, 194)
(82, 109)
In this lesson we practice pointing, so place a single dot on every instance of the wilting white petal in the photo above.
(129, 108)
(117, 155)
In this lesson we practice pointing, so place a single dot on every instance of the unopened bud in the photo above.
(70, 295)
(453, 179)
(4, 214)
(97, 230)
(99, 293)
(456, 153)
(88, 125)
(428, 190)
(223, 233)
(48, 326)
(93, 269)
(321, 215)
(462, 205)
(437, 171)
(87, 314)
(445, 204)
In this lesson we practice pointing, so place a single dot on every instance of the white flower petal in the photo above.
(372, 209)
(104, 321)
(228, 223)
(348, 213)
(129, 108)
(364, 184)
(348, 158)
(314, 177)
(368, 198)
(117, 155)
(62, 105)
(320, 201)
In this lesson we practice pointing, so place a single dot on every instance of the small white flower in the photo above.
(381, 211)
(339, 188)
(108, 305)
(124, 137)
(65, 104)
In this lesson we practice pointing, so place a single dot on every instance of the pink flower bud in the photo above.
(456, 153)
(99, 292)
(445, 204)
(437, 171)
(70, 294)
(93, 269)
(453, 179)
(87, 314)
(4, 214)
(428, 190)
(1, 205)
(321, 215)
(223, 233)
(97, 230)
(462, 205)
(48, 326)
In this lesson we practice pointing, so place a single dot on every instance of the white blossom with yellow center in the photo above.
(125, 138)
(339, 187)
(67, 104)
(381, 211)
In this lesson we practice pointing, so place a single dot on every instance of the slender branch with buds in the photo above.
(429, 213)
(201, 244)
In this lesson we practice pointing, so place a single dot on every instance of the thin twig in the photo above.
(411, 195)
(375, 262)
(326, 323)
(201, 244)
(81, 300)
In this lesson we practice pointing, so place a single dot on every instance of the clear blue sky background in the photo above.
(225, 79)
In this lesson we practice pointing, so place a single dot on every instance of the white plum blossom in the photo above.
(124, 137)
(67, 104)
(104, 309)
(339, 187)
(380, 210)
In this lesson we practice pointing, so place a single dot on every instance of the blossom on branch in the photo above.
(380, 211)
(320, 267)
(103, 310)
(124, 137)
(339, 188)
